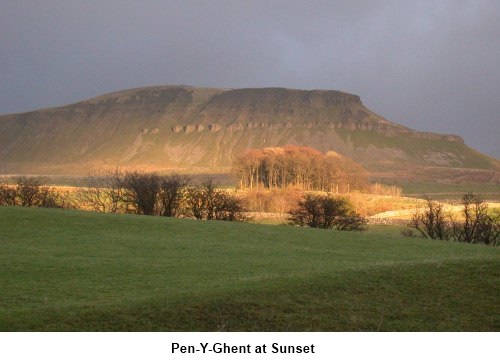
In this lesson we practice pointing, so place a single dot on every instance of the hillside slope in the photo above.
(204, 129)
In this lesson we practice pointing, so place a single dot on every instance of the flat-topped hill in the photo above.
(204, 129)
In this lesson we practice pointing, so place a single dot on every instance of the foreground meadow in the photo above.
(66, 270)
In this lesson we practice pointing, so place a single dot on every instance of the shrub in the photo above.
(271, 201)
(172, 194)
(326, 212)
(208, 202)
(7, 195)
(28, 191)
(141, 191)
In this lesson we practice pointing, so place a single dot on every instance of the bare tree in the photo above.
(141, 190)
(249, 166)
(477, 226)
(172, 194)
(488, 230)
(431, 222)
(203, 200)
(196, 202)
(49, 197)
(104, 192)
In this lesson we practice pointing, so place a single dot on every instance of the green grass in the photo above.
(69, 270)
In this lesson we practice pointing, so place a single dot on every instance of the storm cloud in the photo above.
(430, 65)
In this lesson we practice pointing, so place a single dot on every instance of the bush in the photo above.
(141, 191)
(28, 191)
(172, 194)
(326, 212)
(279, 201)
(208, 202)
(7, 195)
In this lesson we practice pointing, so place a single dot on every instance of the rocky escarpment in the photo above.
(204, 129)
(385, 129)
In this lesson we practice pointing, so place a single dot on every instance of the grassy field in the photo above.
(439, 191)
(72, 270)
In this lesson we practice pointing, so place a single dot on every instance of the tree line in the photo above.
(302, 167)
(148, 193)
(174, 196)
(30, 192)
(144, 193)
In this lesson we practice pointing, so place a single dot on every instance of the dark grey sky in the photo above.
(430, 65)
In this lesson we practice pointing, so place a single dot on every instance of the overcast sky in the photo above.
(429, 65)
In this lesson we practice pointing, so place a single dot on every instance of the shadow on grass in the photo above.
(427, 297)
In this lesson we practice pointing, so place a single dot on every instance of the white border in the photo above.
(123, 347)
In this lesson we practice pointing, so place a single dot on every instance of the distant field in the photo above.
(71, 271)
(440, 191)
(412, 189)
(222, 179)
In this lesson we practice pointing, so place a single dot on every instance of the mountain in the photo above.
(204, 129)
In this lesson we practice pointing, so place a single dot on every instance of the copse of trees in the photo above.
(301, 167)
(476, 225)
